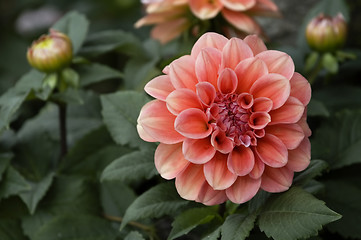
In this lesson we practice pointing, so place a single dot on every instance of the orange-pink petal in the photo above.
(169, 30)
(169, 160)
(239, 5)
(290, 112)
(234, 52)
(208, 196)
(245, 100)
(227, 81)
(182, 73)
(217, 173)
(241, 161)
(300, 88)
(158, 122)
(242, 21)
(193, 123)
(144, 135)
(190, 181)
(210, 39)
(290, 134)
(272, 151)
(206, 93)
(259, 120)
(258, 168)
(248, 71)
(221, 142)
(243, 189)
(255, 43)
(205, 9)
(262, 104)
(276, 179)
(207, 65)
(198, 151)
(273, 86)
(159, 87)
(278, 62)
(182, 99)
(299, 158)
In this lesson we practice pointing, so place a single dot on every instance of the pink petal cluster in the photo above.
(230, 118)
(171, 17)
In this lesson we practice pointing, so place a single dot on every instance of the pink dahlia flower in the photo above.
(230, 118)
(172, 17)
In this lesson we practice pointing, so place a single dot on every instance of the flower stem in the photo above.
(62, 127)
(314, 73)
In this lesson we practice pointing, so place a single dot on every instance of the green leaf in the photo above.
(13, 183)
(338, 140)
(238, 226)
(95, 72)
(190, 219)
(79, 227)
(158, 201)
(134, 236)
(4, 163)
(329, 62)
(120, 112)
(258, 201)
(138, 71)
(131, 167)
(75, 25)
(214, 235)
(10, 230)
(311, 61)
(295, 214)
(314, 169)
(317, 109)
(38, 189)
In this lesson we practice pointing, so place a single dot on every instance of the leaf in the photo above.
(338, 140)
(4, 163)
(295, 214)
(330, 63)
(38, 189)
(133, 235)
(10, 230)
(75, 25)
(131, 167)
(158, 201)
(13, 183)
(258, 201)
(95, 72)
(77, 227)
(120, 112)
(238, 226)
(138, 71)
(317, 109)
(214, 235)
(190, 219)
(314, 169)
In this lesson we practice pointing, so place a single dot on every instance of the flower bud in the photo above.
(326, 34)
(50, 52)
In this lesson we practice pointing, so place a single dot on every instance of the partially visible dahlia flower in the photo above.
(172, 17)
(230, 118)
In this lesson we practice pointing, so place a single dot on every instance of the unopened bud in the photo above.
(326, 34)
(50, 52)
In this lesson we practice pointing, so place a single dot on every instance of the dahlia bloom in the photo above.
(230, 118)
(172, 17)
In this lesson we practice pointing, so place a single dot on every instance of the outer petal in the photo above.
(258, 168)
(234, 52)
(193, 123)
(209, 196)
(158, 122)
(207, 65)
(299, 158)
(255, 43)
(238, 5)
(159, 87)
(206, 93)
(217, 173)
(160, 17)
(273, 86)
(182, 73)
(290, 134)
(243, 189)
(300, 88)
(198, 151)
(303, 123)
(182, 99)
(240, 161)
(205, 9)
(144, 135)
(272, 151)
(211, 39)
(169, 30)
(227, 81)
(248, 71)
(169, 160)
(276, 179)
(190, 182)
(278, 62)
(242, 21)
(265, 8)
(290, 112)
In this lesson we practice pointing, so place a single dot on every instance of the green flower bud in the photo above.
(50, 53)
(326, 34)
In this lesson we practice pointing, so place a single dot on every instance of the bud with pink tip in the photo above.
(326, 34)
(50, 53)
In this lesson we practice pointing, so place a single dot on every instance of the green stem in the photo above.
(316, 70)
(62, 127)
